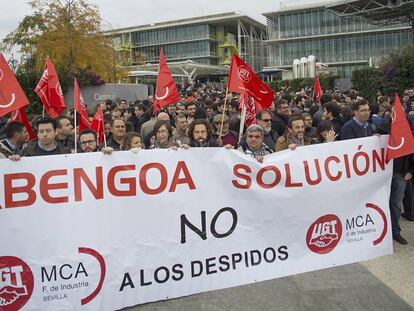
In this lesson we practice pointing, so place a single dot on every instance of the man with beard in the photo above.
(294, 136)
(264, 119)
(191, 110)
(88, 141)
(200, 133)
(406, 102)
(180, 132)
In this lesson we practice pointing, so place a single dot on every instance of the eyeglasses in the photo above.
(254, 136)
(266, 120)
(88, 142)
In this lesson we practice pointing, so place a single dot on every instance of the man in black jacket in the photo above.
(46, 143)
(264, 118)
(281, 117)
(332, 112)
(65, 132)
(16, 136)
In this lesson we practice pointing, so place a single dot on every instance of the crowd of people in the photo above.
(205, 117)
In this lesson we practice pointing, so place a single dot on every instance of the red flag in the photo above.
(401, 140)
(250, 109)
(166, 91)
(12, 96)
(20, 115)
(317, 89)
(243, 80)
(50, 92)
(79, 106)
(97, 125)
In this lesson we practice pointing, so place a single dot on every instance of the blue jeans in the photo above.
(397, 193)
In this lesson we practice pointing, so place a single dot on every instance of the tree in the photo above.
(398, 70)
(395, 74)
(69, 33)
(28, 77)
(368, 81)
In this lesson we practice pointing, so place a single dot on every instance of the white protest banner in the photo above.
(99, 232)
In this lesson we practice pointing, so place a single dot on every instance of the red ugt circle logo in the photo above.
(324, 234)
(16, 283)
(244, 74)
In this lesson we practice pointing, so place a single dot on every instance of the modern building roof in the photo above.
(297, 6)
(207, 19)
(186, 68)
(375, 10)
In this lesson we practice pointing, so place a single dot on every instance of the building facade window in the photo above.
(343, 43)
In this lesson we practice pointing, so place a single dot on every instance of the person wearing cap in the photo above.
(253, 144)
(223, 134)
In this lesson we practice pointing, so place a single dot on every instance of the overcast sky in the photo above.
(124, 13)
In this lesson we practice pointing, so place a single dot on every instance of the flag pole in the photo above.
(43, 111)
(76, 139)
(224, 111)
(242, 120)
(103, 126)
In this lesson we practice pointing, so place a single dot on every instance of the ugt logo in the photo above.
(324, 234)
(16, 283)
(244, 73)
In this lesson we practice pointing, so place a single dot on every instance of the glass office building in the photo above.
(206, 40)
(345, 43)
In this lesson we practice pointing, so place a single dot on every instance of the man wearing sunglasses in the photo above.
(253, 144)
(264, 119)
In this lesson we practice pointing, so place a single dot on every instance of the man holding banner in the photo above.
(88, 141)
(16, 137)
(46, 143)
(254, 144)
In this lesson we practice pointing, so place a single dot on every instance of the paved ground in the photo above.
(385, 284)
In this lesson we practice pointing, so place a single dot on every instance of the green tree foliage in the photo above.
(398, 70)
(28, 77)
(69, 33)
(368, 81)
(395, 74)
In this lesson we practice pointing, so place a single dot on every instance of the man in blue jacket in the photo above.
(358, 126)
